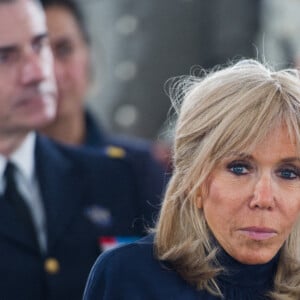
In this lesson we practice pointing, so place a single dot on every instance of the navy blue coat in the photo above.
(132, 272)
(152, 174)
(86, 195)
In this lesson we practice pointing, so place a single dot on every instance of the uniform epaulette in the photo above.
(115, 152)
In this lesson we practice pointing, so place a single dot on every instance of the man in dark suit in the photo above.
(59, 206)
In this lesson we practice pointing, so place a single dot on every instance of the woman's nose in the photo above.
(263, 194)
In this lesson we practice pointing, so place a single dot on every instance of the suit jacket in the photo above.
(86, 195)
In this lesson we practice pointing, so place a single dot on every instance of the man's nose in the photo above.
(59, 71)
(32, 69)
(263, 194)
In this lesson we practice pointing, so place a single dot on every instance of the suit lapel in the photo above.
(12, 229)
(61, 186)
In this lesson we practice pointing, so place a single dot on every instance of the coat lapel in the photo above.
(12, 229)
(61, 186)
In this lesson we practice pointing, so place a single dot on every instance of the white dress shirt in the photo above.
(27, 184)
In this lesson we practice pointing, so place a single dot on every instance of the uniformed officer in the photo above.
(74, 124)
(59, 206)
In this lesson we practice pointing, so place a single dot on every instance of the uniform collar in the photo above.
(22, 157)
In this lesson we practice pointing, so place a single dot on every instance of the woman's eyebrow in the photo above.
(291, 159)
(241, 155)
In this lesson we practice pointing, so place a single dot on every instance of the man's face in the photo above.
(71, 57)
(27, 86)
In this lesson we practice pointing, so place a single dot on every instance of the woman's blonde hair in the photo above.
(227, 110)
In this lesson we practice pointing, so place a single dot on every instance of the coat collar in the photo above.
(61, 185)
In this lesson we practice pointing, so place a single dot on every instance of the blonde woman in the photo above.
(228, 227)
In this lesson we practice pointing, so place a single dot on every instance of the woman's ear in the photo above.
(199, 202)
(202, 193)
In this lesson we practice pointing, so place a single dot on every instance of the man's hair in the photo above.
(229, 110)
(38, 2)
(76, 11)
(12, 1)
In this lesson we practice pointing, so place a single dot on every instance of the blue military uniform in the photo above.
(151, 174)
(86, 195)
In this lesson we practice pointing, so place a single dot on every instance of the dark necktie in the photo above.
(15, 199)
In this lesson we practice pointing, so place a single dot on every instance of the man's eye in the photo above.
(37, 47)
(288, 174)
(3, 57)
(39, 43)
(7, 57)
(63, 51)
(239, 168)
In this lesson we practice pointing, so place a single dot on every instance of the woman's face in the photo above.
(71, 60)
(253, 199)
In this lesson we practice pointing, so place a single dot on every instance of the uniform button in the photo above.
(51, 265)
(115, 152)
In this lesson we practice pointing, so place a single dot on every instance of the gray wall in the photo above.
(142, 43)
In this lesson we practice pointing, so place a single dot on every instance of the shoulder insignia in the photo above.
(115, 152)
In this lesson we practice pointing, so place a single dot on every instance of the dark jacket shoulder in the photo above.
(134, 272)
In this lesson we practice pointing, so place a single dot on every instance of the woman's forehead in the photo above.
(278, 142)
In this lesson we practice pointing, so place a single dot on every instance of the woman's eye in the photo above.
(288, 174)
(239, 168)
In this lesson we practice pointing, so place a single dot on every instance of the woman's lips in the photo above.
(258, 233)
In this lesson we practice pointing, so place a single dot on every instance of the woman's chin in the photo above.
(255, 257)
